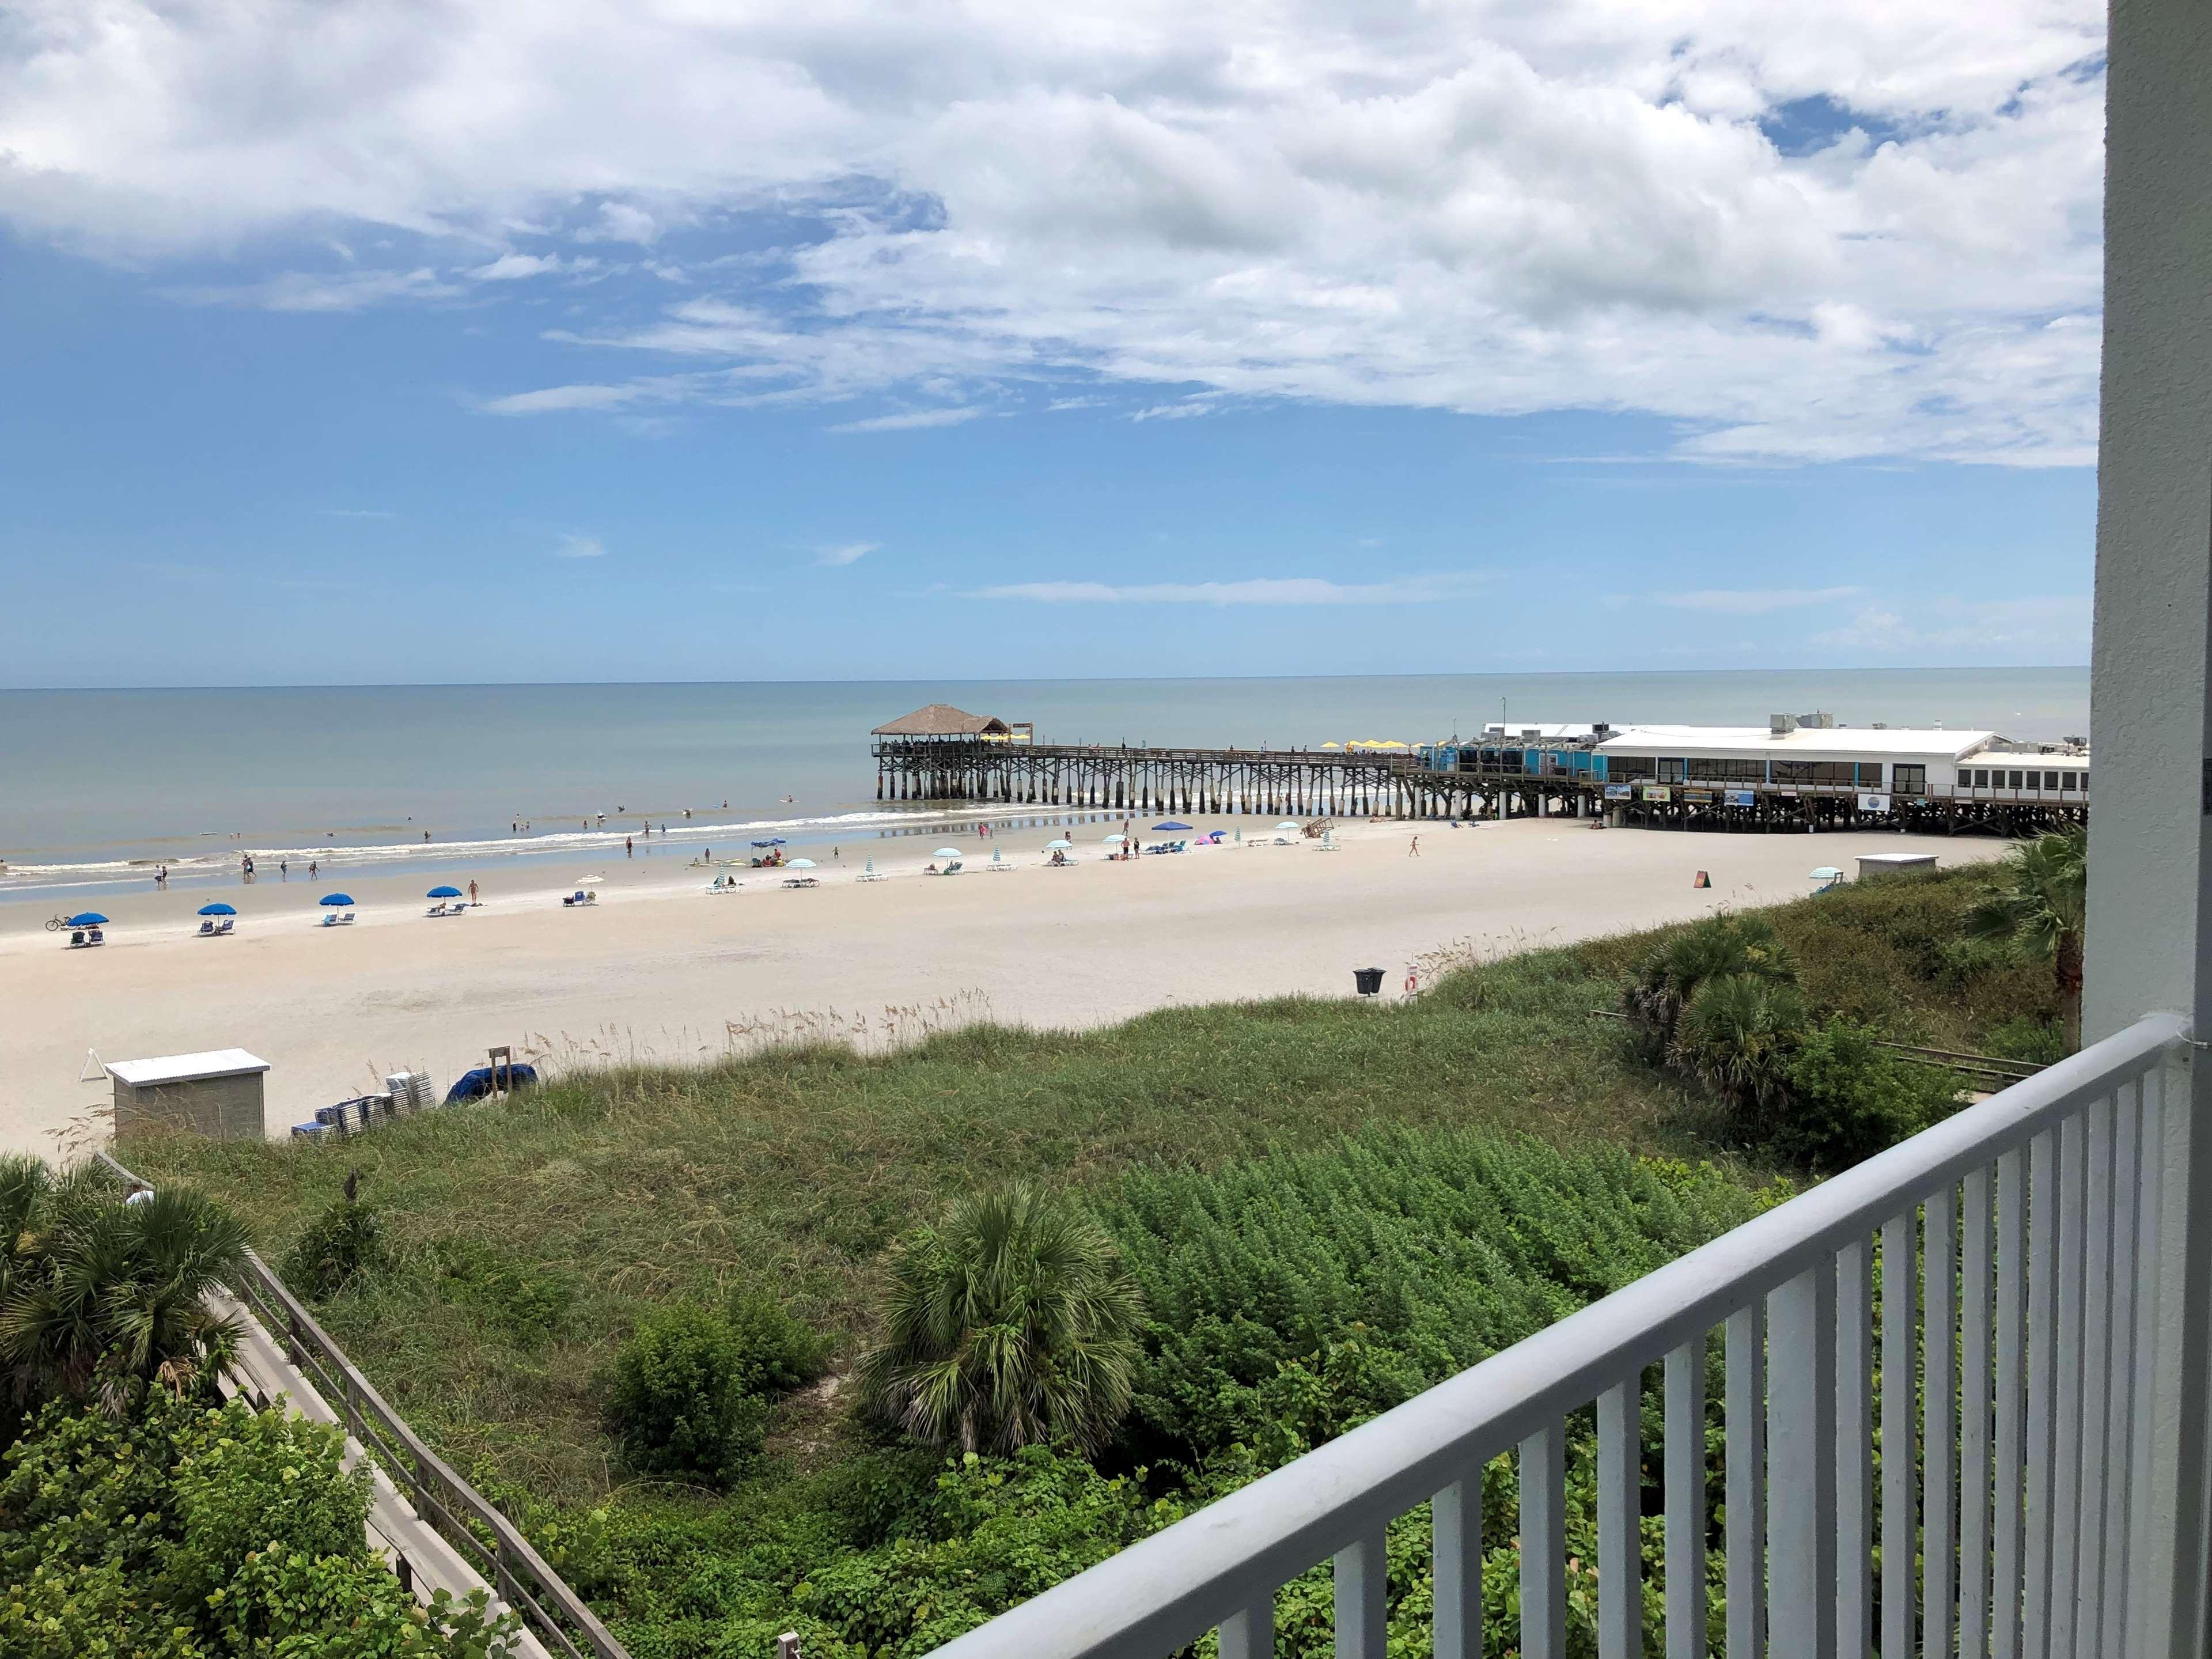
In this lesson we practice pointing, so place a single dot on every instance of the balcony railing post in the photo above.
(1801, 1434)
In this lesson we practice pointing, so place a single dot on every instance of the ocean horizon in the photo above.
(103, 786)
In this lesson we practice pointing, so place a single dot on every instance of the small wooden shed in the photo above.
(217, 1094)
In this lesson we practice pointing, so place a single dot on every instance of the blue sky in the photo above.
(1454, 348)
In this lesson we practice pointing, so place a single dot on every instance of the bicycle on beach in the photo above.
(55, 924)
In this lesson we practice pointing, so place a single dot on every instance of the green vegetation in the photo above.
(2039, 909)
(341, 1247)
(1013, 1324)
(1720, 1001)
(691, 1391)
(105, 1302)
(1326, 1206)
(179, 1529)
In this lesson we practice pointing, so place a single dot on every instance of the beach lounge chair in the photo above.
(225, 925)
(437, 909)
(348, 916)
(95, 936)
(953, 868)
(801, 881)
(207, 928)
(76, 937)
(330, 918)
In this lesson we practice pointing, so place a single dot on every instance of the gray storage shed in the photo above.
(217, 1094)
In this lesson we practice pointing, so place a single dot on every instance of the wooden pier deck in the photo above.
(1399, 784)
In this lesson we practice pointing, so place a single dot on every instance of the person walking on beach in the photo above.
(284, 869)
(313, 865)
(1414, 851)
(162, 878)
(629, 847)
(472, 893)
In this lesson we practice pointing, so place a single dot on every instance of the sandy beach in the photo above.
(662, 969)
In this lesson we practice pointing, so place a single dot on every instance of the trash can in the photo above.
(1367, 980)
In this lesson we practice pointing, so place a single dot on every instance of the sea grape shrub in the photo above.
(179, 1531)
(995, 1532)
(342, 1247)
(1849, 1098)
(682, 1403)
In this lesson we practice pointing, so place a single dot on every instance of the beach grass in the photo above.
(529, 1233)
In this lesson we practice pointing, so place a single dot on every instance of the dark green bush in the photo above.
(343, 1246)
(1849, 1099)
(775, 1351)
(182, 1531)
(682, 1403)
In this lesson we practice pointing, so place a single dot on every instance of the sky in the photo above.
(668, 339)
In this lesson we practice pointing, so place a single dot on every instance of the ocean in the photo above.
(97, 787)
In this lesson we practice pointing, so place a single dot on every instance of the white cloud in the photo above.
(913, 421)
(1749, 602)
(2041, 628)
(299, 290)
(514, 267)
(575, 546)
(1480, 206)
(1266, 590)
(850, 553)
(554, 399)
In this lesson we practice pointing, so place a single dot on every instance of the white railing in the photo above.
(2009, 1254)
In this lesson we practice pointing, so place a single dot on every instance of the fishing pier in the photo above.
(1788, 776)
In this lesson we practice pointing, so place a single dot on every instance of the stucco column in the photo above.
(2150, 926)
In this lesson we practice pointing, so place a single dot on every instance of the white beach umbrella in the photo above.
(1060, 847)
(946, 852)
(801, 864)
(589, 881)
(1114, 840)
(1289, 824)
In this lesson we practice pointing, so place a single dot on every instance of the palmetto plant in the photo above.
(2040, 906)
(1737, 1033)
(1717, 948)
(1012, 1323)
(101, 1300)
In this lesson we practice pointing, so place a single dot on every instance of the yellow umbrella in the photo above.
(1332, 745)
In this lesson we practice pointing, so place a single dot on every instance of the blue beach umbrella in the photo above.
(336, 899)
(217, 910)
(443, 892)
(1171, 824)
(773, 840)
(88, 919)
